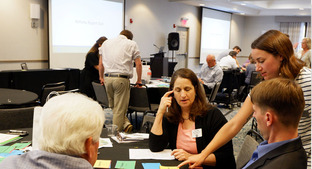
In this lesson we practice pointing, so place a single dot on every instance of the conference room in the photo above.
(53, 37)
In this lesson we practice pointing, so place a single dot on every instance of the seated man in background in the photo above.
(223, 54)
(70, 128)
(229, 61)
(278, 105)
(210, 74)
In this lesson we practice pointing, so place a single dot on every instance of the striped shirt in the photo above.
(304, 129)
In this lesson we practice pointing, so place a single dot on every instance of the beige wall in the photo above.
(20, 42)
(152, 21)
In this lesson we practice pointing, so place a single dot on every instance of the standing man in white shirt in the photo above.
(210, 73)
(229, 61)
(226, 52)
(116, 64)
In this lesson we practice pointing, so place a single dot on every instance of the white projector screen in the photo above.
(215, 33)
(75, 25)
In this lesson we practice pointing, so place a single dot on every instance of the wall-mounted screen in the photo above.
(75, 25)
(215, 33)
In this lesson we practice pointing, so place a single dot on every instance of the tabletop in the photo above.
(119, 151)
(16, 96)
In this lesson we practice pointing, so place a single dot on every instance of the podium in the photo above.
(160, 66)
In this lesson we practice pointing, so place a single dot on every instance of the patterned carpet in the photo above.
(239, 138)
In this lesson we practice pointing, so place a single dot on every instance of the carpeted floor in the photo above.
(239, 138)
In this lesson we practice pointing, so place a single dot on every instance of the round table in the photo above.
(16, 97)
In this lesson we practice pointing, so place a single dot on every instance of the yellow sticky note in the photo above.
(102, 164)
(168, 167)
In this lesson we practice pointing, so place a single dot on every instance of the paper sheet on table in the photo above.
(129, 138)
(147, 154)
(5, 138)
(168, 167)
(125, 164)
(105, 142)
(151, 165)
(102, 164)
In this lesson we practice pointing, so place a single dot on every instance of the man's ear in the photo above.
(88, 146)
(269, 118)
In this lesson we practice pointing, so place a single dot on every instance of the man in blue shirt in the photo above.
(210, 74)
(278, 105)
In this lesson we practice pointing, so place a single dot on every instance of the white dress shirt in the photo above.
(228, 62)
(118, 55)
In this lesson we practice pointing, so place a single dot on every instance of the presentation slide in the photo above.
(215, 33)
(75, 25)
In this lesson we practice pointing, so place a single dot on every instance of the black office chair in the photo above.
(213, 94)
(16, 118)
(228, 90)
(254, 80)
(139, 102)
(48, 88)
(100, 94)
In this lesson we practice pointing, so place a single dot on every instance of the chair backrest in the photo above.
(147, 123)
(100, 94)
(139, 98)
(246, 151)
(48, 88)
(255, 78)
(16, 118)
(57, 93)
(214, 92)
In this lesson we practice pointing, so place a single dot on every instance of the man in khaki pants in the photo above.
(116, 64)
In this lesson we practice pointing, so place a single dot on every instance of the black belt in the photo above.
(117, 75)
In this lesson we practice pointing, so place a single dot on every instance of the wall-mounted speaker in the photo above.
(173, 41)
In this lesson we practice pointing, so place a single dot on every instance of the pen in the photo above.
(17, 131)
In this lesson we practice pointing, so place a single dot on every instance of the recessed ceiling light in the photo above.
(242, 13)
(201, 4)
(243, 4)
(301, 9)
(235, 9)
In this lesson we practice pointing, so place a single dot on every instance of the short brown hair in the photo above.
(127, 33)
(237, 47)
(282, 95)
(200, 105)
(232, 53)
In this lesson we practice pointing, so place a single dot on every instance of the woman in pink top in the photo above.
(185, 122)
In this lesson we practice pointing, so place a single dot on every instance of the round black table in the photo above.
(16, 97)
(119, 151)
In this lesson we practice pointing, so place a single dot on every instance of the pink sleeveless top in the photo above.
(185, 140)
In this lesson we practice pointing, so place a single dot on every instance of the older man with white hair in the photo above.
(70, 128)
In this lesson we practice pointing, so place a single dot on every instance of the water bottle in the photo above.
(149, 75)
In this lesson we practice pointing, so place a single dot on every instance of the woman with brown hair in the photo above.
(190, 122)
(90, 72)
(275, 57)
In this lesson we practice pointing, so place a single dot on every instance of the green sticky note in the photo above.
(19, 146)
(11, 140)
(125, 164)
(6, 149)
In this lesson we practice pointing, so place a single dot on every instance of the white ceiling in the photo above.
(256, 7)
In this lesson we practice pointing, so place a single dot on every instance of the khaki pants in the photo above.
(118, 92)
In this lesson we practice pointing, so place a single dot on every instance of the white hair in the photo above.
(67, 121)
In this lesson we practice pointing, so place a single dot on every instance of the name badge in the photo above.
(197, 133)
